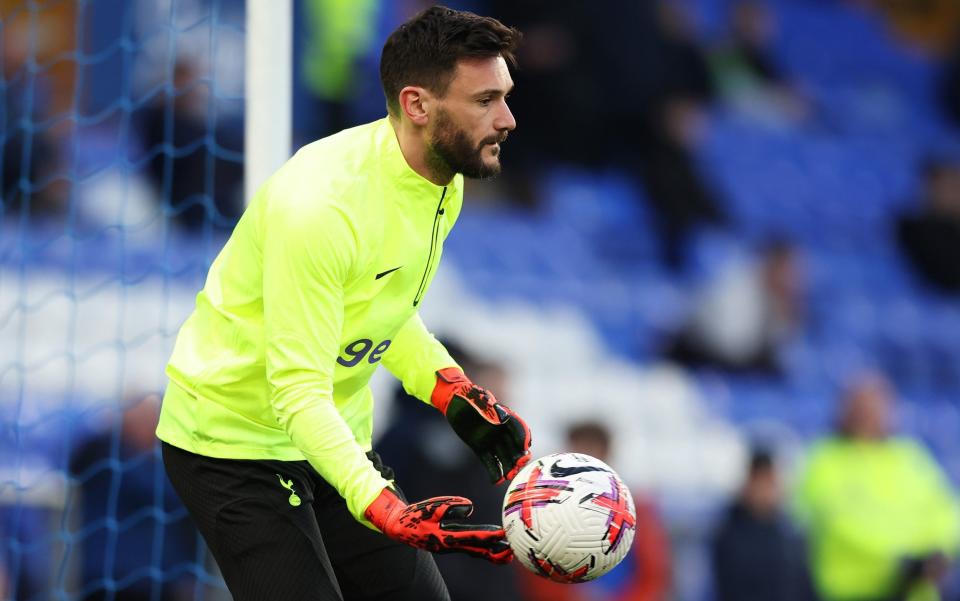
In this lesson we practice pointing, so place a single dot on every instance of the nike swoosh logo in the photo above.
(389, 271)
(558, 471)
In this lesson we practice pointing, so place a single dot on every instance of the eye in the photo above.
(484, 101)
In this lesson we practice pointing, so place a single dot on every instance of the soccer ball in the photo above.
(568, 517)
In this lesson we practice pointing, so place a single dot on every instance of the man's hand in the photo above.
(437, 525)
(496, 434)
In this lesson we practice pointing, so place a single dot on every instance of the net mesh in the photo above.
(121, 152)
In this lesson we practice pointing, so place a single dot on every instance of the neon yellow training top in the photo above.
(318, 284)
(867, 505)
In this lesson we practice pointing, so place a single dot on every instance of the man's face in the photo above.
(763, 492)
(472, 119)
(868, 409)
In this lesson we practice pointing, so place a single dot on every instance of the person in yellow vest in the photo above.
(881, 518)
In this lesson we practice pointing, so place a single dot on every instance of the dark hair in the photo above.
(590, 430)
(934, 165)
(761, 460)
(777, 245)
(424, 51)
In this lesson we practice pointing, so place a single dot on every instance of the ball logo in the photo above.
(560, 471)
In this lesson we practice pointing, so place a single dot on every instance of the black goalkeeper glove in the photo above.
(495, 433)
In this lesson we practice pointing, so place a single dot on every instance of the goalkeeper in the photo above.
(266, 422)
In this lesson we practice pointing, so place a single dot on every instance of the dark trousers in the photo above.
(278, 531)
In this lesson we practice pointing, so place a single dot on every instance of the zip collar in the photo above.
(434, 240)
(411, 185)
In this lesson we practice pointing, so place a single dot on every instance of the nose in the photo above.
(504, 120)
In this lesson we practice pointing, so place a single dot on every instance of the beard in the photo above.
(451, 151)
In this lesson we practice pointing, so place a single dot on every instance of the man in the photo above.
(755, 553)
(881, 516)
(929, 235)
(747, 314)
(267, 419)
(116, 470)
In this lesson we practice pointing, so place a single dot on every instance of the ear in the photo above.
(415, 103)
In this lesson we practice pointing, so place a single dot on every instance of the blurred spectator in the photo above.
(746, 72)
(931, 238)
(584, 79)
(949, 84)
(930, 24)
(179, 134)
(680, 196)
(643, 575)
(131, 522)
(880, 515)
(430, 460)
(744, 317)
(31, 139)
(683, 70)
(629, 92)
(672, 125)
(756, 554)
(337, 36)
(31, 552)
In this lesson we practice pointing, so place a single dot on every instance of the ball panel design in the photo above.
(568, 517)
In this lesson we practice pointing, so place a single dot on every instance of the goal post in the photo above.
(268, 85)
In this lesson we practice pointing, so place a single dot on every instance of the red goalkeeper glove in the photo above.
(496, 434)
(437, 525)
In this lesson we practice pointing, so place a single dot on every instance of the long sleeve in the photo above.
(307, 258)
(415, 356)
(296, 314)
(938, 503)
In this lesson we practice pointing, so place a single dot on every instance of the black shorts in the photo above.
(279, 531)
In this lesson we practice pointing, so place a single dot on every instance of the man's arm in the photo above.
(939, 506)
(499, 437)
(306, 260)
(415, 357)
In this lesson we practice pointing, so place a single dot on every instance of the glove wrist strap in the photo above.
(449, 381)
(379, 511)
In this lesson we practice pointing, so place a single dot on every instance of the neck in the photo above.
(417, 154)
